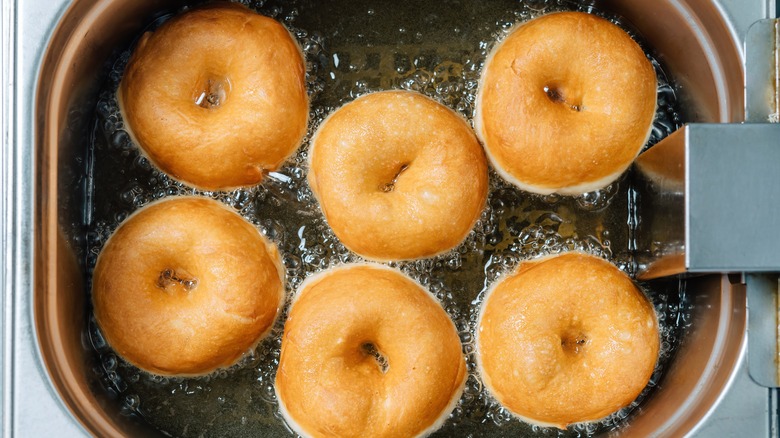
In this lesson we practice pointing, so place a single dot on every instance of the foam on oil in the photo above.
(353, 48)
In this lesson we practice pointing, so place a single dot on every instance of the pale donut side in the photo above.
(539, 390)
(186, 286)
(410, 168)
(297, 428)
(556, 118)
(486, 378)
(416, 418)
(216, 97)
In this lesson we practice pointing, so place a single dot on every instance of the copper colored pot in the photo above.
(691, 36)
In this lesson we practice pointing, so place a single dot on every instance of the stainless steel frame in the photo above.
(30, 405)
(710, 200)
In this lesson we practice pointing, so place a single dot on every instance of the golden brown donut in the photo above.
(185, 286)
(566, 339)
(216, 96)
(565, 104)
(368, 352)
(398, 176)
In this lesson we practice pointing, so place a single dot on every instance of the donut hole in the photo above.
(211, 91)
(557, 95)
(370, 350)
(574, 341)
(173, 279)
(390, 186)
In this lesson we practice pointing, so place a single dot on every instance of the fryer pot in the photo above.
(700, 42)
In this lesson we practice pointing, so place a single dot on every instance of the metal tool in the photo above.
(710, 201)
(710, 193)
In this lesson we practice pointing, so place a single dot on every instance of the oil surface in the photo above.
(352, 48)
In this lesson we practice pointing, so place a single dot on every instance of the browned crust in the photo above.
(260, 122)
(326, 383)
(528, 331)
(430, 155)
(594, 123)
(171, 330)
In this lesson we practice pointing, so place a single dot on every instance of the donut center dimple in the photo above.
(390, 186)
(556, 95)
(212, 92)
(370, 350)
(574, 343)
(170, 278)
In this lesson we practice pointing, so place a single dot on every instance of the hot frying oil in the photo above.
(353, 48)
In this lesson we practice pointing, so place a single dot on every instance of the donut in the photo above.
(367, 351)
(565, 103)
(185, 286)
(216, 97)
(566, 339)
(408, 167)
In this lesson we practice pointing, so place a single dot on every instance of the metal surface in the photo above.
(30, 406)
(725, 176)
(762, 328)
(746, 411)
(711, 352)
(762, 72)
(661, 191)
(7, 35)
(733, 203)
(704, 185)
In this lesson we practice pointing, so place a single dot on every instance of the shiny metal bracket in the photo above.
(762, 72)
(710, 201)
(762, 98)
(710, 193)
(763, 351)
